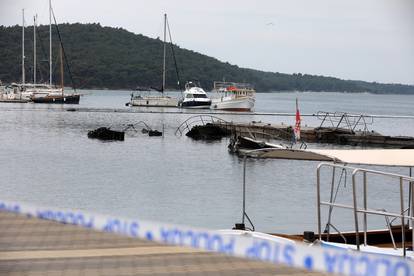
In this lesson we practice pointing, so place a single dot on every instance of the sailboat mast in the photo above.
(34, 48)
(50, 42)
(61, 68)
(163, 64)
(23, 71)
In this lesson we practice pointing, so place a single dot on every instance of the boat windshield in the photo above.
(191, 96)
(191, 84)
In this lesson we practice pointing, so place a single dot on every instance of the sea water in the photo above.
(47, 159)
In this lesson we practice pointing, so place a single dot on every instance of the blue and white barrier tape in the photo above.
(257, 247)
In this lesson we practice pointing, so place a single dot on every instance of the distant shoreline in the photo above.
(264, 92)
(101, 61)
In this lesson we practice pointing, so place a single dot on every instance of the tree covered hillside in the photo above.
(105, 57)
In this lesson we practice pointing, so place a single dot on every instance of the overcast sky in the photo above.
(370, 40)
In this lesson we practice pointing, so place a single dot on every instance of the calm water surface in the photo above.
(47, 159)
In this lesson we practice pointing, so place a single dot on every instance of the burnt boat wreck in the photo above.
(106, 134)
(335, 128)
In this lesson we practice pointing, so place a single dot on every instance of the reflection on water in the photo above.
(47, 159)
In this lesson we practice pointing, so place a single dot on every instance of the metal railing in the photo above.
(197, 120)
(345, 120)
(365, 210)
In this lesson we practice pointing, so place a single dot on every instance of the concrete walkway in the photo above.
(30, 246)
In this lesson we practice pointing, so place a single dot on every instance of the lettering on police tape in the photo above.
(68, 217)
(123, 227)
(15, 208)
(197, 239)
(271, 252)
(358, 264)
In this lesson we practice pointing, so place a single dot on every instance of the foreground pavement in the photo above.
(31, 246)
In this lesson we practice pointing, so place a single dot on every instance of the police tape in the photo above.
(241, 244)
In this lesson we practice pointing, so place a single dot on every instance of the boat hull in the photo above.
(244, 104)
(196, 104)
(155, 102)
(57, 99)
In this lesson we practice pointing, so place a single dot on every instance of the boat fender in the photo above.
(239, 226)
(309, 236)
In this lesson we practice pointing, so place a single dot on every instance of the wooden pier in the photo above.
(30, 246)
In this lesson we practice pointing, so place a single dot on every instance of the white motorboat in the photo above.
(194, 96)
(156, 100)
(233, 96)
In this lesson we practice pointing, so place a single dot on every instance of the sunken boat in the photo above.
(104, 133)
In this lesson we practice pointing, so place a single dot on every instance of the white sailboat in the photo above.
(17, 91)
(27, 91)
(50, 93)
(156, 100)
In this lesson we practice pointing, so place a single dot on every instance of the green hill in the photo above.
(113, 58)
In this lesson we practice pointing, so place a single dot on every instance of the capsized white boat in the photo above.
(233, 96)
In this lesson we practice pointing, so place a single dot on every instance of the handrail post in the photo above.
(355, 207)
(411, 206)
(365, 208)
(244, 187)
(402, 216)
(318, 199)
(330, 201)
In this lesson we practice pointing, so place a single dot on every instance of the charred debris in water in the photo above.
(108, 134)
(145, 130)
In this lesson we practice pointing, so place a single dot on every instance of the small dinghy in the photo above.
(104, 133)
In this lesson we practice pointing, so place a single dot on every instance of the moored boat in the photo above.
(153, 101)
(233, 96)
(58, 99)
(194, 96)
(48, 93)
(156, 100)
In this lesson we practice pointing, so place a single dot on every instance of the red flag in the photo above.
(297, 124)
